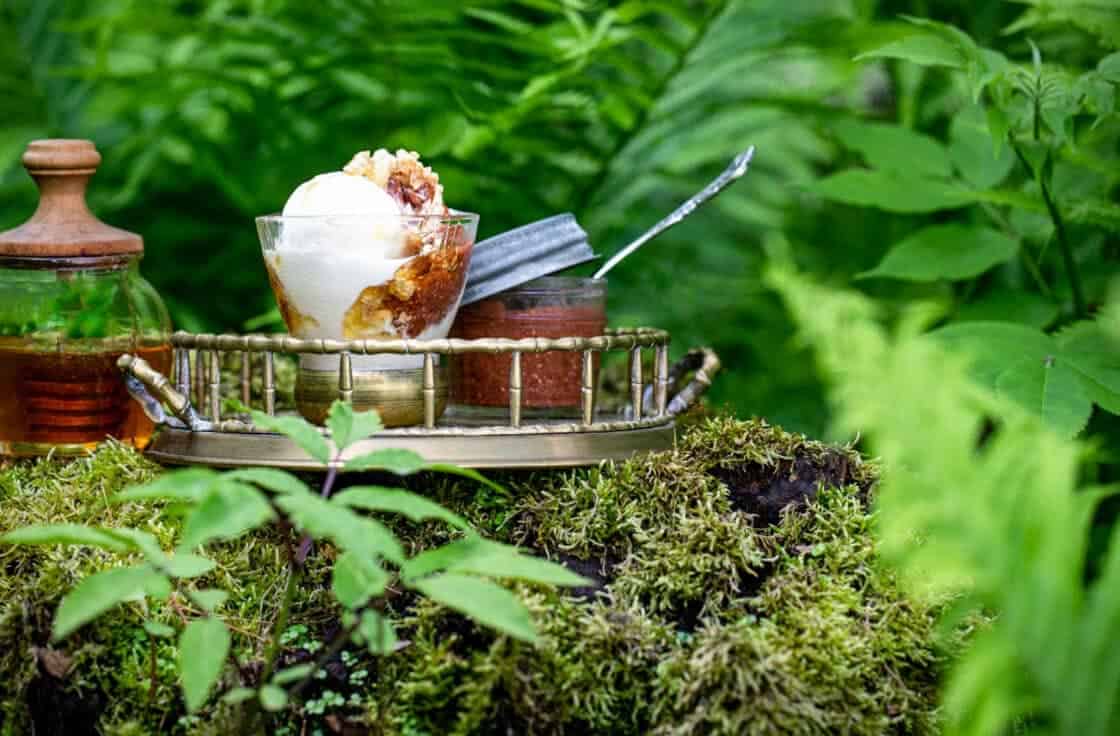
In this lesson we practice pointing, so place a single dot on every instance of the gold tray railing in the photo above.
(648, 405)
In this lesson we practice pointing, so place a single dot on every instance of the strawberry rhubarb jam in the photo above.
(551, 307)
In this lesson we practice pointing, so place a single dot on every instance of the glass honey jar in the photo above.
(72, 300)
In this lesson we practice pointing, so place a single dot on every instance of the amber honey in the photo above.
(69, 400)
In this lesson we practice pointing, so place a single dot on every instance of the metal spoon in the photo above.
(737, 168)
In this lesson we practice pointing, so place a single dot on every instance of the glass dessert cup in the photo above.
(553, 307)
(63, 324)
(368, 277)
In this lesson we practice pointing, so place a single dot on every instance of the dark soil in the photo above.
(601, 572)
(765, 491)
(58, 712)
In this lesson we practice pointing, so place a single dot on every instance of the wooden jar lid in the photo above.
(63, 226)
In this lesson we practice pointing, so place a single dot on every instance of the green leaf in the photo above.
(300, 431)
(324, 520)
(1050, 389)
(400, 462)
(187, 565)
(210, 598)
(1057, 377)
(1010, 305)
(228, 511)
(970, 148)
(273, 698)
(440, 558)
(921, 48)
(482, 601)
(239, 695)
(398, 501)
(159, 630)
(356, 579)
(292, 674)
(951, 252)
(347, 427)
(203, 648)
(895, 148)
(378, 632)
(1094, 353)
(497, 560)
(470, 473)
(271, 479)
(188, 484)
(68, 534)
(98, 593)
(891, 192)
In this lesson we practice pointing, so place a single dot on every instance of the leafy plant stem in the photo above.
(1028, 258)
(153, 669)
(295, 574)
(327, 654)
(328, 486)
(1072, 273)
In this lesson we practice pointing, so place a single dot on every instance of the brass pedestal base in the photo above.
(397, 395)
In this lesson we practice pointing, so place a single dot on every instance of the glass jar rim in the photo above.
(558, 285)
(110, 262)
(453, 217)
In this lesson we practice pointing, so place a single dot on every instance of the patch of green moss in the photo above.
(707, 619)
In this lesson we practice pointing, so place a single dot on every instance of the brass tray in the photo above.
(509, 438)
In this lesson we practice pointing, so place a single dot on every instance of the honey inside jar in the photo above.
(69, 399)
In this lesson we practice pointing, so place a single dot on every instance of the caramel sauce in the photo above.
(69, 398)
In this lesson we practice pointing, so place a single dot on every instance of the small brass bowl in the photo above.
(397, 395)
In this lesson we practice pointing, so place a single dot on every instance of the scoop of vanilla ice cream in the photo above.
(339, 193)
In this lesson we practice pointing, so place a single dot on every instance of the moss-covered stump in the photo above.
(737, 591)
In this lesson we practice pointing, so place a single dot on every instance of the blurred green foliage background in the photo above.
(209, 112)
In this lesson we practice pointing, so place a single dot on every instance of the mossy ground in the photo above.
(737, 592)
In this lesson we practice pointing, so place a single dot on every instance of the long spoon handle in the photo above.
(737, 168)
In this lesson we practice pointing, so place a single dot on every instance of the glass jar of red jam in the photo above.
(554, 306)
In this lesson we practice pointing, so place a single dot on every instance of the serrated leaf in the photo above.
(1058, 378)
(349, 531)
(68, 534)
(378, 632)
(1050, 389)
(203, 647)
(470, 473)
(440, 558)
(347, 427)
(981, 164)
(228, 511)
(292, 674)
(300, 431)
(497, 560)
(951, 252)
(924, 49)
(273, 698)
(356, 579)
(1095, 354)
(895, 148)
(398, 501)
(187, 565)
(400, 462)
(480, 600)
(188, 484)
(271, 479)
(98, 593)
(159, 630)
(891, 192)
(210, 598)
